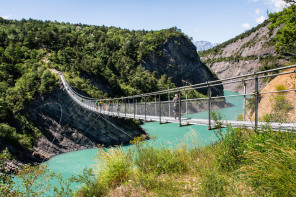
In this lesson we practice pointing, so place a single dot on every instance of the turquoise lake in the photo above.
(170, 134)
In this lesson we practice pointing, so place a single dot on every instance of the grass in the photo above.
(280, 107)
(272, 170)
(280, 87)
(241, 163)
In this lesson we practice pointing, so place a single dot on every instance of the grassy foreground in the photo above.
(241, 163)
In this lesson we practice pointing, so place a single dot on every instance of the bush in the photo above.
(10, 134)
(229, 151)
(281, 104)
(240, 117)
(115, 166)
(280, 87)
(213, 184)
(164, 160)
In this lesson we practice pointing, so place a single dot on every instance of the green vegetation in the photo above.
(285, 38)
(285, 41)
(241, 163)
(29, 48)
(39, 181)
(280, 107)
(230, 167)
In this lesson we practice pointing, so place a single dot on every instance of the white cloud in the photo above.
(261, 19)
(278, 5)
(257, 11)
(246, 26)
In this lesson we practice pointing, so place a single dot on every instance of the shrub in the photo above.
(280, 103)
(114, 166)
(164, 160)
(274, 117)
(240, 117)
(6, 180)
(213, 184)
(10, 135)
(280, 87)
(229, 151)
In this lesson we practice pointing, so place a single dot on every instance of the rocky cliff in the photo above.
(245, 54)
(180, 61)
(67, 127)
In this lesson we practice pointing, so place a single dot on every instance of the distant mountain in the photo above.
(204, 45)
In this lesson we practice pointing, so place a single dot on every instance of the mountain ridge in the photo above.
(269, 45)
(204, 45)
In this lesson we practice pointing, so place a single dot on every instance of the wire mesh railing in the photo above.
(246, 105)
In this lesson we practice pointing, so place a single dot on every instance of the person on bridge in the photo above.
(109, 106)
(176, 102)
(101, 105)
(118, 109)
(97, 104)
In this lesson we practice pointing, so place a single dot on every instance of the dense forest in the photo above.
(29, 48)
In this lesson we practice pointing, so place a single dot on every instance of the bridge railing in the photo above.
(248, 104)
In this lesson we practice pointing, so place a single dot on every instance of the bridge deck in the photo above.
(164, 119)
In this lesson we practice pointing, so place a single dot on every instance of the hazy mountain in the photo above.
(204, 45)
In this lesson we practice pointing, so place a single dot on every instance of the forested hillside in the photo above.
(98, 61)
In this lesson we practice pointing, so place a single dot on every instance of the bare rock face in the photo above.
(180, 61)
(254, 51)
(68, 127)
(254, 44)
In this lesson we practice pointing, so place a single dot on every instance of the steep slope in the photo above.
(243, 56)
(257, 49)
(65, 127)
(99, 62)
(277, 107)
(180, 61)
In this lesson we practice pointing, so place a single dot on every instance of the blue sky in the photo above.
(214, 21)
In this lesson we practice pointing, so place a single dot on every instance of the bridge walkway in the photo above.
(136, 107)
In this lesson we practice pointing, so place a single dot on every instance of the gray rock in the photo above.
(67, 127)
(257, 44)
(180, 61)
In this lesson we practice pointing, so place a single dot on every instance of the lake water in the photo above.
(170, 134)
(167, 135)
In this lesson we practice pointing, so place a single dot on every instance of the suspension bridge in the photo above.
(249, 109)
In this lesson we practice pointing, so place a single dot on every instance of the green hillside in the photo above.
(28, 48)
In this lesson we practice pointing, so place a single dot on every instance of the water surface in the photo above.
(169, 134)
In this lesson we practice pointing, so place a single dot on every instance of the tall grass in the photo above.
(272, 170)
(241, 163)
(164, 160)
(115, 166)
